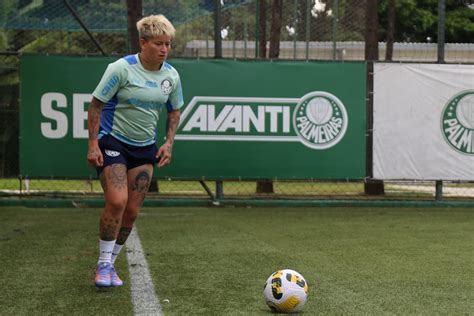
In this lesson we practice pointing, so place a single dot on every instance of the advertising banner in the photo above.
(241, 119)
(423, 121)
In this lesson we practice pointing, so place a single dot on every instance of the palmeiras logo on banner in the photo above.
(318, 120)
(457, 122)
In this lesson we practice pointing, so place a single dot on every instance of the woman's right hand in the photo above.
(94, 156)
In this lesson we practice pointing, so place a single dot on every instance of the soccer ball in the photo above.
(285, 291)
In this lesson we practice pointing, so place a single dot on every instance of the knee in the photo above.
(116, 205)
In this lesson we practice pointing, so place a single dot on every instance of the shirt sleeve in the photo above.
(175, 99)
(110, 83)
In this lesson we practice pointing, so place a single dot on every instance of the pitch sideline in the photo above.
(144, 299)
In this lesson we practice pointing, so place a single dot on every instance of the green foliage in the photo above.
(3, 41)
(6, 9)
(460, 26)
(417, 21)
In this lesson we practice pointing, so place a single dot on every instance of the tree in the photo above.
(371, 28)
(390, 29)
(417, 21)
(134, 13)
(275, 30)
(262, 29)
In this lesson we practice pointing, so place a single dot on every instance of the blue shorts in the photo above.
(115, 151)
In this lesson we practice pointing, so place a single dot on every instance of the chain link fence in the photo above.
(310, 30)
(301, 190)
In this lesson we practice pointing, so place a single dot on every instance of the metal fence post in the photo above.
(295, 19)
(439, 190)
(334, 28)
(441, 29)
(257, 26)
(20, 179)
(217, 30)
(219, 189)
(308, 26)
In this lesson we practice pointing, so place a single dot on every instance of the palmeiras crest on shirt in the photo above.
(320, 120)
(166, 86)
(457, 122)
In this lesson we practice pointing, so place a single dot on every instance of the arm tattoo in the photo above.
(172, 124)
(93, 118)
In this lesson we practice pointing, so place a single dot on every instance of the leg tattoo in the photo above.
(142, 180)
(108, 228)
(123, 234)
(141, 184)
(118, 176)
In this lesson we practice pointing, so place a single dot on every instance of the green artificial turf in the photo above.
(357, 261)
(214, 261)
(47, 264)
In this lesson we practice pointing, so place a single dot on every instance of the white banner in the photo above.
(423, 122)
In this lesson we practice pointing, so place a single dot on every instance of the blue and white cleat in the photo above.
(116, 281)
(103, 276)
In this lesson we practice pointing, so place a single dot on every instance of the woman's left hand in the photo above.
(164, 154)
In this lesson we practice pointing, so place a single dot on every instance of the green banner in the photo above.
(241, 119)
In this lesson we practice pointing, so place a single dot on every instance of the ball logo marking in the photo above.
(285, 291)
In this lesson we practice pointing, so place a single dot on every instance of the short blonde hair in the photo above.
(155, 25)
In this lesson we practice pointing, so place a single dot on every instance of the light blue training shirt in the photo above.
(133, 98)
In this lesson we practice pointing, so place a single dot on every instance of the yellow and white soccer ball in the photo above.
(285, 291)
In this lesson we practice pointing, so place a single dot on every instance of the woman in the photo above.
(122, 121)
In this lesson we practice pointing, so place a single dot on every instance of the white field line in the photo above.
(431, 189)
(144, 298)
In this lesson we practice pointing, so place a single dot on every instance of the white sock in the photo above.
(105, 248)
(115, 252)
